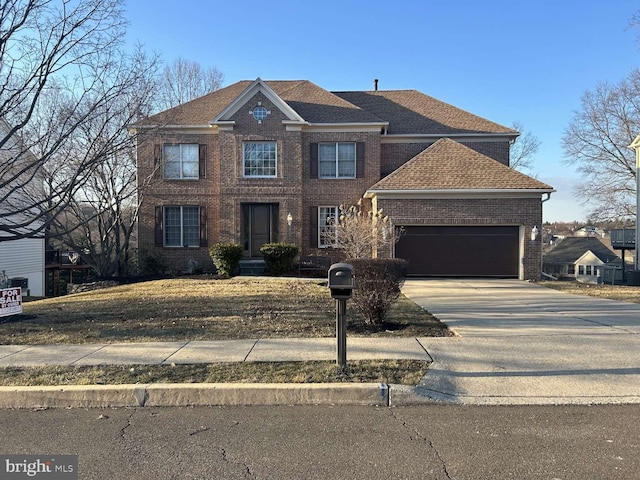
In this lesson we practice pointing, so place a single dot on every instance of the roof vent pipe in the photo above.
(375, 84)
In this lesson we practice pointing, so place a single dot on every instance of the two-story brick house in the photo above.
(266, 161)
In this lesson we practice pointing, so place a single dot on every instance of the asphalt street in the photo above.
(309, 442)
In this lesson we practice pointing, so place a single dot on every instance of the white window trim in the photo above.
(164, 233)
(244, 144)
(321, 240)
(181, 177)
(337, 176)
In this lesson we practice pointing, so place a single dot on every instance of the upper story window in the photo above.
(181, 161)
(337, 160)
(259, 159)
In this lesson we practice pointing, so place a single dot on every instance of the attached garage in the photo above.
(463, 251)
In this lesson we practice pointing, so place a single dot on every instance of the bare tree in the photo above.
(523, 149)
(60, 69)
(184, 80)
(361, 232)
(596, 142)
(100, 218)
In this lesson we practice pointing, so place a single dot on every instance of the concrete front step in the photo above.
(252, 267)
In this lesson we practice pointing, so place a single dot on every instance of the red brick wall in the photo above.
(203, 192)
(330, 192)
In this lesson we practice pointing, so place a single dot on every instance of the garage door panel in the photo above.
(460, 251)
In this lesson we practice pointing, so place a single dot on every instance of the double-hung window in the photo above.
(337, 160)
(181, 161)
(259, 159)
(181, 226)
(327, 220)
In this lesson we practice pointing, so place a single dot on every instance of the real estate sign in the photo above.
(10, 301)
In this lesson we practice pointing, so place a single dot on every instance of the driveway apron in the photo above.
(520, 343)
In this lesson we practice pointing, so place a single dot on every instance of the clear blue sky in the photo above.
(504, 60)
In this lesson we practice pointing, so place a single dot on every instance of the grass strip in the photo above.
(405, 372)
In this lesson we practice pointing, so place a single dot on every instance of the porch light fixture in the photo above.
(534, 233)
(289, 219)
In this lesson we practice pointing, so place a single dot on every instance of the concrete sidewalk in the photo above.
(520, 343)
(167, 353)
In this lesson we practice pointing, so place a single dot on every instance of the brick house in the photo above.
(235, 165)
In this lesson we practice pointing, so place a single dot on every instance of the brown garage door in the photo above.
(460, 251)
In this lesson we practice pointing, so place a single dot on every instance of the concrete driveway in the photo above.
(520, 343)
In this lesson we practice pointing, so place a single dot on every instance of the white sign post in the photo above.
(10, 301)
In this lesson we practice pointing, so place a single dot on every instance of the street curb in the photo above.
(193, 394)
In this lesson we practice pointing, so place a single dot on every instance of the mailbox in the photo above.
(341, 280)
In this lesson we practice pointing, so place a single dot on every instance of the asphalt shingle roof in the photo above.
(411, 111)
(406, 111)
(449, 165)
(571, 249)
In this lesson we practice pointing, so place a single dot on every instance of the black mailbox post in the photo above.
(341, 284)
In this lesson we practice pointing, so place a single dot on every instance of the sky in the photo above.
(503, 60)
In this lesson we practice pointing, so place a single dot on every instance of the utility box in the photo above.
(341, 280)
(22, 282)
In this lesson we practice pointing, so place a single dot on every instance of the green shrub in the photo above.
(378, 282)
(279, 257)
(226, 257)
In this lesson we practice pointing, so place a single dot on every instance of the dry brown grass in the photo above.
(200, 308)
(624, 293)
(406, 372)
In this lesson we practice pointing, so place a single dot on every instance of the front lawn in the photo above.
(624, 293)
(201, 308)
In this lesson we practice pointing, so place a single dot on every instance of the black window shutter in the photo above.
(159, 241)
(203, 227)
(202, 159)
(313, 226)
(360, 159)
(313, 165)
(157, 155)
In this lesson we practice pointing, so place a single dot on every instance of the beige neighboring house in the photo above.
(22, 260)
(582, 259)
(267, 161)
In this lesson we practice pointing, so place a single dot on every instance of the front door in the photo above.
(260, 226)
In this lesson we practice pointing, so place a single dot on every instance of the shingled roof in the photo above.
(411, 111)
(313, 103)
(571, 249)
(449, 165)
(406, 111)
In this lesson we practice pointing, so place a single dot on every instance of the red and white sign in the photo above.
(10, 301)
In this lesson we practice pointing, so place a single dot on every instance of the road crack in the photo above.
(123, 430)
(414, 434)
(225, 458)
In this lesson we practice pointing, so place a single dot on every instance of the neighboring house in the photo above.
(21, 259)
(233, 165)
(580, 258)
(589, 231)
